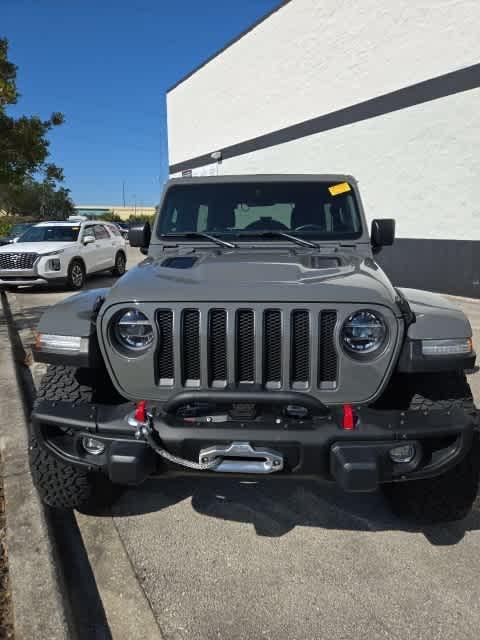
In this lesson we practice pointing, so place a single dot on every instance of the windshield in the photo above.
(306, 209)
(18, 229)
(51, 234)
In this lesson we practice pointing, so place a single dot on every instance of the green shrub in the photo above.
(141, 218)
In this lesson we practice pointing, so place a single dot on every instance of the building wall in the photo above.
(389, 92)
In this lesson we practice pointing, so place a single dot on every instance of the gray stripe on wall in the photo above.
(446, 266)
(439, 87)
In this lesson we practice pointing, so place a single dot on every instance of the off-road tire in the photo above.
(61, 485)
(76, 275)
(120, 265)
(450, 496)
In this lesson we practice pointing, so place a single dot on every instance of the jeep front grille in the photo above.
(275, 348)
(17, 260)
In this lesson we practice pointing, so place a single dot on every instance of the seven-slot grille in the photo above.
(17, 260)
(275, 348)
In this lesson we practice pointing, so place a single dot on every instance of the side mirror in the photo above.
(139, 235)
(382, 234)
(88, 239)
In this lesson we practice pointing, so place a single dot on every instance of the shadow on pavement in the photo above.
(275, 507)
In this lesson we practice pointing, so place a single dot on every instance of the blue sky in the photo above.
(106, 64)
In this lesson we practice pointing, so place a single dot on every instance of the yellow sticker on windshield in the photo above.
(337, 189)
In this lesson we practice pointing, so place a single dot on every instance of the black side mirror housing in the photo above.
(382, 234)
(139, 235)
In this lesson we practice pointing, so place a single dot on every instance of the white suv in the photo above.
(63, 252)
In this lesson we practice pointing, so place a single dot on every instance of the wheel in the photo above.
(76, 275)
(120, 264)
(60, 485)
(451, 495)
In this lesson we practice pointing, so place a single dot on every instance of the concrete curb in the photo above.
(103, 596)
(39, 608)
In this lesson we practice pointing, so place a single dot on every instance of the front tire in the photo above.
(76, 275)
(450, 496)
(61, 485)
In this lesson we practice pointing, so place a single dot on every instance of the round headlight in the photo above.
(363, 333)
(132, 330)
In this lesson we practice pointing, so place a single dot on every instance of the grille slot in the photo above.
(245, 347)
(17, 260)
(217, 348)
(165, 366)
(272, 348)
(300, 349)
(328, 358)
(191, 347)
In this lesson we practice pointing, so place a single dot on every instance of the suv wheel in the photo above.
(76, 275)
(450, 496)
(120, 265)
(61, 485)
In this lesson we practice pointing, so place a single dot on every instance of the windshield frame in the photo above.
(163, 235)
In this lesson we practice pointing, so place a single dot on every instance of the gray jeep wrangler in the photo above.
(259, 337)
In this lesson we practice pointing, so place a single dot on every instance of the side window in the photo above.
(100, 232)
(87, 231)
(113, 230)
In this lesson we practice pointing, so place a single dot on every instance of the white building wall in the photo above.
(316, 56)
(420, 165)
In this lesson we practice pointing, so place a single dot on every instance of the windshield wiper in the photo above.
(200, 234)
(281, 234)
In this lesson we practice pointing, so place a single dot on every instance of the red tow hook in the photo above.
(348, 421)
(140, 414)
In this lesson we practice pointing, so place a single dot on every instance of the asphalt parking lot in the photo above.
(218, 558)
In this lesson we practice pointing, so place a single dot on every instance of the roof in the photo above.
(60, 223)
(228, 45)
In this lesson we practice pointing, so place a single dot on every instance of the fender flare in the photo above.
(74, 317)
(436, 318)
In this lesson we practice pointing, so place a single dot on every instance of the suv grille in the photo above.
(276, 348)
(17, 260)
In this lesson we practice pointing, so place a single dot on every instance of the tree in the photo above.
(37, 199)
(23, 142)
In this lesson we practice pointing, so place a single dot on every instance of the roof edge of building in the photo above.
(228, 45)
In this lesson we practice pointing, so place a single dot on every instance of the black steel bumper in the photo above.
(358, 459)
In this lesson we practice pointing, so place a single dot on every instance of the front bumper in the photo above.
(358, 460)
(39, 274)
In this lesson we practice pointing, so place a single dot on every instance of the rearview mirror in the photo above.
(382, 234)
(139, 235)
(88, 239)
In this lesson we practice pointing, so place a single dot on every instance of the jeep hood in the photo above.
(255, 276)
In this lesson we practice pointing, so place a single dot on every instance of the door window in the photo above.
(100, 232)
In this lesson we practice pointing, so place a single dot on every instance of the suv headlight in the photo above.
(132, 331)
(363, 333)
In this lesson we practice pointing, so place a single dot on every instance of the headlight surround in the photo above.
(364, 334)
(132, 332)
